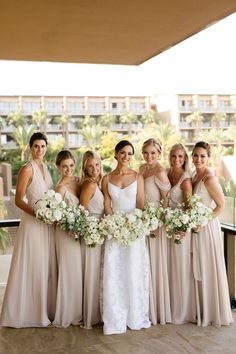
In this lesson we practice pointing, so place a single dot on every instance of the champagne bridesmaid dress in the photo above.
(182, 294)
(69, 290)
(92, 269)
(212, 294)
(157, 248)
(30, 295)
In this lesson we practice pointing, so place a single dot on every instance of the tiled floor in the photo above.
(168, 339)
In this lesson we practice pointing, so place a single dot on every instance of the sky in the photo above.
(204, 63)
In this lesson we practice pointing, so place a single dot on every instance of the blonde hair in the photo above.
(153, 142)
(84, 173)
(180, 147)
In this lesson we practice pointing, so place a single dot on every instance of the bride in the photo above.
(126, 268)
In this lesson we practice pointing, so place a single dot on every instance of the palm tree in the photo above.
(107, 120)
(22, 135)
(64, 122)
(17, 119)
(218, 117)
(150, 117)
(92, 135)
(129, 118)
(40, 119)
(231, 134)
(197, 118)
(1, 127)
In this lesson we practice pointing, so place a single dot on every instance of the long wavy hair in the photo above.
(89, 154)
(186, 162)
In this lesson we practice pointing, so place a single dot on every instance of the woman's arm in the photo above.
(215, 191)
(163, 178)
(140, 192)
(107, 198)
(187, 190)
(23, 180)
(87, 191)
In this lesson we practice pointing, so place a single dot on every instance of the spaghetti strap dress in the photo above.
(212, 293)
(30, 294)
(157, 247)
(91, 257)
(125, 274)
(69, 290)
(182, 294)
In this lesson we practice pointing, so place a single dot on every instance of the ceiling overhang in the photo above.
(101, 31)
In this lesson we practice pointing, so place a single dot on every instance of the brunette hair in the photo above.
(153, 142)
(89, 154)
(37, 136)
(122, 144)
(203, 145)
(180, 147)
(64, 155)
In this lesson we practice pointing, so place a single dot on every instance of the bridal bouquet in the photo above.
(152, 216)
(73, 220)
(50, 208)
(124, 228)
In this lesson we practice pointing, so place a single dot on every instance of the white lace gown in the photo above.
(126, 274)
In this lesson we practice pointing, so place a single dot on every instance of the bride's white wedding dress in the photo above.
(125, 274)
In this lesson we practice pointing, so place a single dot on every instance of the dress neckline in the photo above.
(123, 187)
(37, 166)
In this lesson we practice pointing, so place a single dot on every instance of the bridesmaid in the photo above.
(157, 186)
(31, 289)
(212, 295)
(92, 199)
(182, 294)
(69, 291)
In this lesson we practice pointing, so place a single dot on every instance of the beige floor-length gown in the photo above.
(212, 294)
(92, 269)
(157, 248)
(30, 295)
(181, 281)
(70, 283)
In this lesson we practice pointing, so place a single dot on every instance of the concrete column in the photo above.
(231, 265)
(7, 178)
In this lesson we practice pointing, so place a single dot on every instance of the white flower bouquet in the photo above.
(152, 216)
(90, 232)
(124, 228)
(184, 220)
(50, 208)
(73, 220)
(199, 213)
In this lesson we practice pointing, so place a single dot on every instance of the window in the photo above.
(30, 107)
(53, 107)
(8, 107)
(75, 107)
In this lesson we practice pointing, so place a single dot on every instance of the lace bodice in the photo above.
(123, 199)
(176, 193)
(153, 186)
(39, 184)
(96, 204)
